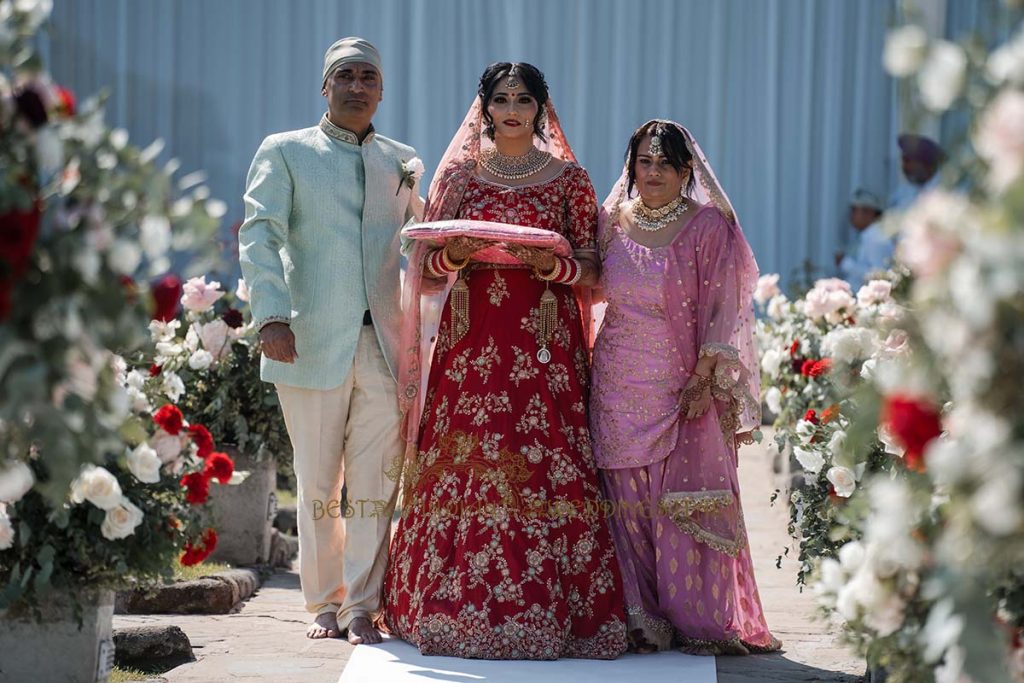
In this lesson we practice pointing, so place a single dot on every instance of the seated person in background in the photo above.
(920, 158)
(872, 248)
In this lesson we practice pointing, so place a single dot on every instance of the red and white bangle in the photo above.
(567, 271)
(439, 264)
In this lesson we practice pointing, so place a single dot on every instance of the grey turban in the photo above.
(348, 50)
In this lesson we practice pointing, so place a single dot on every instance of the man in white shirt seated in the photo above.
(920, 158)
(872, 248)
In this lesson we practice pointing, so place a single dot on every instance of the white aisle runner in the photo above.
(395, 661)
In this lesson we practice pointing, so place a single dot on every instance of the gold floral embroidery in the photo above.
(497, 291)
(680, 506)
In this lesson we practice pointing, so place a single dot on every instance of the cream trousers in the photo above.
(348, 435)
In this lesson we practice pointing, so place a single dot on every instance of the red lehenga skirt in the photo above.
(503, 549)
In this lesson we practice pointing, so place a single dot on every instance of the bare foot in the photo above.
(639, 644)
(361, 631)
(324, 626)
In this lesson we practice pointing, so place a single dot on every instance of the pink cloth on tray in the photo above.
(438, 232)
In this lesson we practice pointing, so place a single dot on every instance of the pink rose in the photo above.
(931, 231)
(999, 138)
(200, 295)
(874, 292)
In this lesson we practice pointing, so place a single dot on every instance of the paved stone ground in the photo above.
(265, 640)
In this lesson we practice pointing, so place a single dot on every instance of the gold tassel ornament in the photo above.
(548, 320)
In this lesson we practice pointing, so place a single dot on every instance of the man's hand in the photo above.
(278, 342)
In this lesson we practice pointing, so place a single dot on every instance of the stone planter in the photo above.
(55, 649)
(243, 515)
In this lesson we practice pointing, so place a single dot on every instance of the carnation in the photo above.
(197, 487)
(194, 554)
(913, 423)
(203, 440)
(220, 467)
(169, 418)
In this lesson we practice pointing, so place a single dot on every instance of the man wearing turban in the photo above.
(920, 158)
(319, 250)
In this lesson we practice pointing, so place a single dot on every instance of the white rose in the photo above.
(200, 295)
(16, 479)
(777, 307)
(831, 576)
(166, 446)
(155, 235)
(905, 50)
(846, 345)
(931, 231)
(943, 75)
(6, 529)
(767, 287)
(874, 292)
(124, 257)
(121, 520)
(770, 361)
(805, 429)
(941, 631)
(242, 290)
(137, 400)
(1006, 63)
(773, 399)
(843, 481)
(997, 503)
(811, 461)
(851, 556)
(96, 485)
(889, 442)
(135, 380)
(886, 614)
(835, 444)
(200, 360)
(999, 138)
(173, 387)
(144, 463)
(160, 331)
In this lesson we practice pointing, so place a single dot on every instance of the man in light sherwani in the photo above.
(319, 251)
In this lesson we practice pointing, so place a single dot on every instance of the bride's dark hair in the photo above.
(673, 144)
(532, 78)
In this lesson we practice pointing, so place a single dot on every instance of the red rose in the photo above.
(169, 418)
(154, 370)
(794, 347)
(811, 416)
(203, 439)
(220, 467)
(18, 233)
(913, 423)
(233, 318)
(167, 296)
(197, 487)
(66, 101)
(196, 554)
(806, 367)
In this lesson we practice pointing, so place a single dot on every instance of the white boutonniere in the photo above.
(412, 171)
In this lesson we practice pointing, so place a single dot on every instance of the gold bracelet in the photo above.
(450, 264)
(554, 273)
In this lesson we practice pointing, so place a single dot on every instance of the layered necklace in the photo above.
(514, 167)
(653, 220)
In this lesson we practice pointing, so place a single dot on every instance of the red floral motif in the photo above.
(811, 416)
(169, 418)
(154, 370)
(220, 467)
(203, 440)
(167, 297)
(913, 423)
(195, 554)
(197, 487)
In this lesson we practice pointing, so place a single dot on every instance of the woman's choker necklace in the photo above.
(514, 167)
(653, 220)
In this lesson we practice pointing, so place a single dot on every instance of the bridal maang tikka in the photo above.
(655, 149)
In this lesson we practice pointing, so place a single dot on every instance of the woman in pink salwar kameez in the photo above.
(674, 376)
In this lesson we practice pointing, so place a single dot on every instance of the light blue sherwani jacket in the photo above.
(320, 245)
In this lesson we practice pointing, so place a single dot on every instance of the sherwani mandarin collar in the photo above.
(341, 134)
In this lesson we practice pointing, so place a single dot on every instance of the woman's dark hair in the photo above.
(531, 77)
(673, 146)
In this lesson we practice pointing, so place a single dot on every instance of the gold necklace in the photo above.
(653, 220)
(514, 167)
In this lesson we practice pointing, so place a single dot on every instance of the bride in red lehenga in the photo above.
(502, 551)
